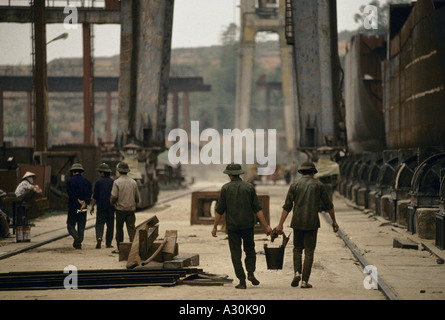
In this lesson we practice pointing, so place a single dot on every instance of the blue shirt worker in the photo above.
(105, 211)
(239, 203)
(79, 197)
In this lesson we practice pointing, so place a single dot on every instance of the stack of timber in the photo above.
(146, 248)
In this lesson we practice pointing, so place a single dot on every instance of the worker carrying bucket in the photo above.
(305, 197)
(275, 256)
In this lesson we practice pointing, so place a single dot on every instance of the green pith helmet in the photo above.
(77, 166)
(308, 166)
(122, 167)
(104, 168)
(234, 169)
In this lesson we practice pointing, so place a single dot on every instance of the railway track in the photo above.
(389, 294)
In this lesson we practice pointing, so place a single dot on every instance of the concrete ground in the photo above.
(336, 273)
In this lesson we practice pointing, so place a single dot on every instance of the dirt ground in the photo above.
(336, 273)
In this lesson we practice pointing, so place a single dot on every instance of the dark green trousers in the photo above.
(304, 240)
(244, 238)
(129, 218)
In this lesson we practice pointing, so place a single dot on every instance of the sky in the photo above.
(195, 23)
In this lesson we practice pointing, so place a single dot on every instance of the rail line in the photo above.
(66, 234)
(389, 294)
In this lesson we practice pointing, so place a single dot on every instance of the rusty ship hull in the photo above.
(363, 92)
(414, 79)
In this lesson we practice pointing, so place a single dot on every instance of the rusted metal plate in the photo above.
(204, 202)
(416, 80)
(363, 95)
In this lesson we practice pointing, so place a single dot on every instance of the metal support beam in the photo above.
(88, 91)
(1, 117)
(30, 113)
(252, 21)
(56, 15)
(185, 101)
(317, 71)
(101, 84)
(144, 71)
(108, 108)
(40, 77)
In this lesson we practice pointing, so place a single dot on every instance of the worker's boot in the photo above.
(98, 244)
(252, 279)
(305, 285)
(77, 243)
(241, 285)
(296, 279)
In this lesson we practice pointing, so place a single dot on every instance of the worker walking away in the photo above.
(105, 211)
(79, 197)
(306, 196)
(239, 203)
(124, 197)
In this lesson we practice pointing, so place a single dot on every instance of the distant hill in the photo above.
(213, 109)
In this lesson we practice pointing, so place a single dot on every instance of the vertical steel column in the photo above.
(88, 105)
(146, 28)
(40, 77)
(29, 104)
(245, 66)
(175, 107)
(1, 117)
(289, 87)
(108, 97)
(126, 75)
(316, 71)
(252, 22)
(185, 101)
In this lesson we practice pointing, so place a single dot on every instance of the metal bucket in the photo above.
(19, 234)
(26, 233)
(274, 257)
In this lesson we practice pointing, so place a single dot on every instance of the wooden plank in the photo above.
(124, 250)
(405, 244)
(134, 259)
(170, 248)
(143, 244)
(182, 261)
(146, 239)
(152, 250)
(155, 254)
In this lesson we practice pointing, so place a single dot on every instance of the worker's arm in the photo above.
(334, 222)
(218, 219)
(267, 228)
(287, 207)
(93, 202)
(114, 194)
(279, 228)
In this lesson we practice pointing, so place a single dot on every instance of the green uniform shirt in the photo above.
(238, 199)
(307, 196)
